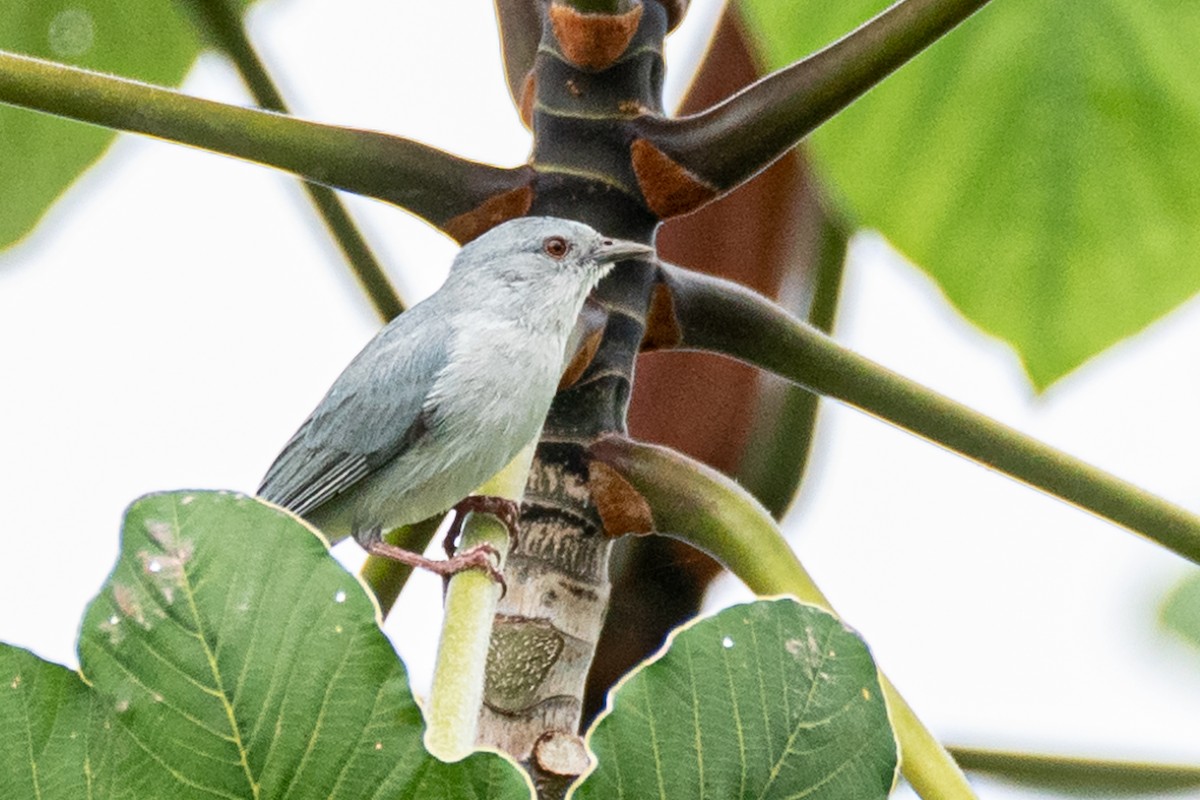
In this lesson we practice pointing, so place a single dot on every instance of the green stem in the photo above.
(734, 140)
(456, 696)
(428, 182)
(358, 254)
(780, 443)
(723, 317)
(225, 26)
(713, 513)
(1090, 776)
(831, 267)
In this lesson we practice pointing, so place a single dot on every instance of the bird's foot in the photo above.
(483, 557)
(503, 509)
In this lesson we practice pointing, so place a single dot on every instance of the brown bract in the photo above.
(593, 41)
(622, 508)
(490, 213)
(525, 102)
(669, 187)
(675, 11)
(594, 319)
(662, 326)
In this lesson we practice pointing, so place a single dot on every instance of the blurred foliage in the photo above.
(1039, 162)
(1180, 611)
(42, 155)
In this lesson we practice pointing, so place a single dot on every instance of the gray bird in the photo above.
(447, 393)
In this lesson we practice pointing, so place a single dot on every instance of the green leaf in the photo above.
(1180, 611)
(1039, 162)
(42, 155)
(228, 656)
(770, 699)
(55, 739)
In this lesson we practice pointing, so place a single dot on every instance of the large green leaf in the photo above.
(41, 155)
(229, 656)
(56, 739)
(1040, 162)
(772, 699)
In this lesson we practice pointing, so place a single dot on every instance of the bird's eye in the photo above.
(556, 247)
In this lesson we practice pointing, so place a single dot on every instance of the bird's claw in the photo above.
(506, 510)
(483, 557)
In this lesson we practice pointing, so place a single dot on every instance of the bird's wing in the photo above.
(374, 411)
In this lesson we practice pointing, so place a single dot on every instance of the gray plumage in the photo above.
(450, 391)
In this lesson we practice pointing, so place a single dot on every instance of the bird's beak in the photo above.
(610, 251)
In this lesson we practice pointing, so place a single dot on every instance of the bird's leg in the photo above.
(482, 557)
(503, 509)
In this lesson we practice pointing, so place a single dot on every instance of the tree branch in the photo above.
(713, 513)
(225, 27)
(723, 317)
(428, 182)
(734, 140)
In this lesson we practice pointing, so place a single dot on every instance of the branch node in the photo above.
(490, 213)
(662, 323)
(593, 41)
(525, 103)
(670, 188)
(590, 331)
(561, 753)
(622, 508)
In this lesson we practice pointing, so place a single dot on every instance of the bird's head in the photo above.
(546, 251)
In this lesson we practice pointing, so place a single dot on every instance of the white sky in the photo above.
(179, 313)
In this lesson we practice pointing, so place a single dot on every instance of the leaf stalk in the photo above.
(430, 183)
(731, 142)
(723, 317)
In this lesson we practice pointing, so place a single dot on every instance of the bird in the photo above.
(447, 393)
